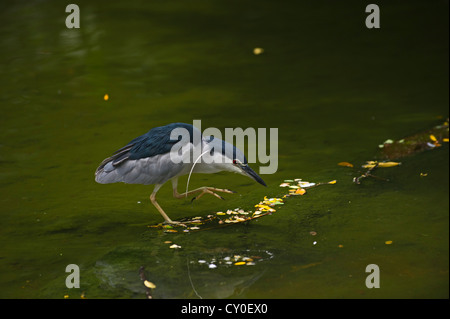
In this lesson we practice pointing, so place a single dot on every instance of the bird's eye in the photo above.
(234, 162)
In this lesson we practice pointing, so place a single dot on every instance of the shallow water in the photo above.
(332, 87)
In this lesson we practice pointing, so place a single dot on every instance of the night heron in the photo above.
(160, 155)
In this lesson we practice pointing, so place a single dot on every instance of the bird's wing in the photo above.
(155, 142)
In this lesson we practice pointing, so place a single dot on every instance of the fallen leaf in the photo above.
(149, 284)
(346, 164)
(371, 164)
(258, 51)
(239, 263)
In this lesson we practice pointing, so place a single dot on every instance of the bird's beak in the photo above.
(251, 173)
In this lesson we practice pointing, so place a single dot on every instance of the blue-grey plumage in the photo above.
(151, 159)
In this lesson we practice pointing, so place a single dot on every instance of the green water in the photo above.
(332, 87)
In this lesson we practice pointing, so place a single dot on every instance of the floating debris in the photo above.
(258, 51)
(175, 246)
(106, 97)
(149, 284)
(170, 231)
(388, 242)
(419, 142)
(238, 215)
(372, 164)
(345, 164)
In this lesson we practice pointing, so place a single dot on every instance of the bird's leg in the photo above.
(204, 190)
(155, 203)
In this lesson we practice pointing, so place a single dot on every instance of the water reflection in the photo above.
(179, 274)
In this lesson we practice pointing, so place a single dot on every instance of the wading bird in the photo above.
(156, 157)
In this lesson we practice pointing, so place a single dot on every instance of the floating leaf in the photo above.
(388, 242)
(372, 164)
(433, 138)
(240, 263)
(346, 164)
(258, 51)
(306, 184)
(149, 284)
(170, 231)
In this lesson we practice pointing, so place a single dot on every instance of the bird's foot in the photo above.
(212, 190)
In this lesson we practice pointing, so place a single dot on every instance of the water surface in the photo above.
(332, 87)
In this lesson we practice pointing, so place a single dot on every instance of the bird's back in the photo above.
(145, 160)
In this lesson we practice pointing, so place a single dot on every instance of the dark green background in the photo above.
(332, 87)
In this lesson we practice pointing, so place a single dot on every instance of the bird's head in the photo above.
(244, 169)
(227, 157)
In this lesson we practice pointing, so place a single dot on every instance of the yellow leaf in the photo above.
(388, 164)
(332, 182)
(388, 242)
(239, 263)
(300, 191)
(346, 164)
(170, 231)
(258, 51)
(106, 97)
(445, 139)
(149, 284)
(433, 138)
(371, 164)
